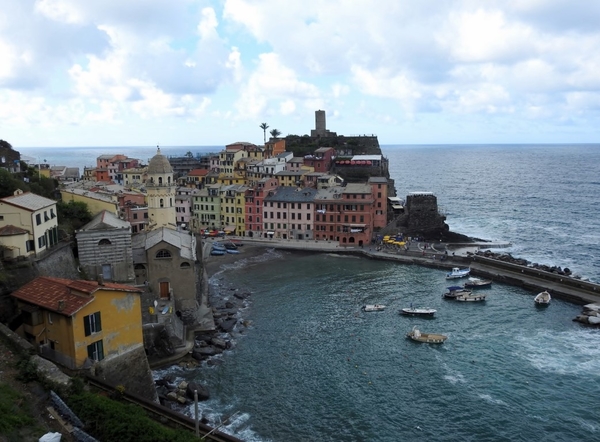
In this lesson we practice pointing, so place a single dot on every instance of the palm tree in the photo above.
(275, 133)
(264, 127)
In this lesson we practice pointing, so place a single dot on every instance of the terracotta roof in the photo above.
(64, 296)
(198, 172)
(10, 230)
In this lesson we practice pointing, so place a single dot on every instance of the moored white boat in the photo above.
(543, 298)
(458, 273)
(430, 338)
(470, 298)
(373, 307)
(417, 311)
(477, 283)
(455, 291)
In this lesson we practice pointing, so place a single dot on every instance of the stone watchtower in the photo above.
(161, 189)
(421, 216)
(320, 129)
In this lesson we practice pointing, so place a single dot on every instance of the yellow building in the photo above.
(97, 202)
(77, 322)
(135, 178)
(233, 208)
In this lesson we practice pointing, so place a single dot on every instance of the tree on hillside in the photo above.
(72, 215)
(8, 184)
(5, 144)
(275, 133)
(264, 127)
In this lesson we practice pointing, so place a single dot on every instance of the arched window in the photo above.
(104, 242)
(163, 254)
(185, 266)
(162, 203)
(159, 180)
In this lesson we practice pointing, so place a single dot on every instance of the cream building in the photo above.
(33, 213)
(161, 189)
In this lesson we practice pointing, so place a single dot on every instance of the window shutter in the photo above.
(100, 350)
(98, 322)
(86, 325)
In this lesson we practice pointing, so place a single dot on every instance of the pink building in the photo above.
(254, 205)
(288, 213)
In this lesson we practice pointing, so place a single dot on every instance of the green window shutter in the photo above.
(98, 322)
(100, 350)
(86, 325)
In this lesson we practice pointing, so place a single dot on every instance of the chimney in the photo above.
(100, 279)
(61, 305)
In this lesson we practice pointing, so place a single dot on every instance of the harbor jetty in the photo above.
(445, 256)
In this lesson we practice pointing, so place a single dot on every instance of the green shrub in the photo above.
(108, 419)
(14, 413)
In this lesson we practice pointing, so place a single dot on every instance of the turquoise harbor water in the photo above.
(312, 366)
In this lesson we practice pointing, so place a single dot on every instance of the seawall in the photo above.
(562, 287)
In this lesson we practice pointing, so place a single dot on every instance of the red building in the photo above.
(321, 160)
(254, 206)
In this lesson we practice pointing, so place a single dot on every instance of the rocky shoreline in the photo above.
(228, 302)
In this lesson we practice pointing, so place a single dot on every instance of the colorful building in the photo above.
(75, 323)
(35, 214)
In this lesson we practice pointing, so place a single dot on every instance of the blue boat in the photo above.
(216, 252)
(233, 251)
(218, 246)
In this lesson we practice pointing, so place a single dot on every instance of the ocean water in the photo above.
(311, 366)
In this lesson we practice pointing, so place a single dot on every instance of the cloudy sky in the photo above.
(201, 72)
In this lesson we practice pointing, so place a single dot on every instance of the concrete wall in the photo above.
(131, 370)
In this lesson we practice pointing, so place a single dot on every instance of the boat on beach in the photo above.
(233, 251)
(455, 291)
(477, 283)
(542, 298)
(418, 311)
(458, 273)
(373, 307)
(217, 252)
(430, 338)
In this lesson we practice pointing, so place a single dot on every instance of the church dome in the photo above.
(159, 164)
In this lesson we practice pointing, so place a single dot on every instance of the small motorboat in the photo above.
(458, 273)
(216, 252)
(470, 298)
(418, 311)
(218, 246)
(373, 307)
(233, 251)
(477, 283)
(455, 291)
(542, 298)
(429, 338)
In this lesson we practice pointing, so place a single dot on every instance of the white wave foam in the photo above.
(336, 255)
(491, 400)
(574, 352)
(270, 254)
(455, 379)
